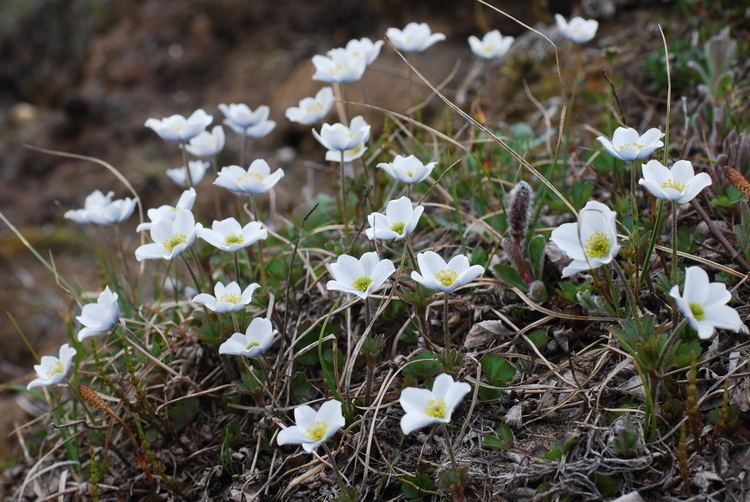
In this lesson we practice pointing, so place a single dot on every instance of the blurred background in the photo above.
(82, 76)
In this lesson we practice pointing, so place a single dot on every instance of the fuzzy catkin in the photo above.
(738, 180)
(519, 211)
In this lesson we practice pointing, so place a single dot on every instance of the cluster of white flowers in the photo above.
(590, 242)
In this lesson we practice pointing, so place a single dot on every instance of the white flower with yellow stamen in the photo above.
(257, 339)
(397, 223)
(52, 370)
(628, 145)
(312, 427)
(704, 304)
(591, 242)
(409, 169)
(426, 407)
(255, 180)
(492, 46)
(577, 30)
(171, 237)
(100, 317)
(339, 138)
(179, 175)
(360, 277)
(186, 201)
(310, 111)
(415, 37)
(228, 235)
(227, 298)
(434, 273)
(677, 184)
(177, 128)
(207, 144)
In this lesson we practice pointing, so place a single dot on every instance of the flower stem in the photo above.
(261, 265)
(446, 331)
(192, 273)
(343, 195)
(236, 266)
(674, 242)
(243, 152)
(449, 445)
(186, 160)
(407, 245)
(633, 201)
(332, 461)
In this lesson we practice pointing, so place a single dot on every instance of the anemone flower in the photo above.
(438, 275)
(255, 180)
(409, 169)
(360, 277)
(704, 304)
(426, 407)
(312, 428)
(52, 370)
(207, 144)
(591, 242)
(257, 339)
(186, 201)
(338, 139)
(227, 298)
(228, 235)
(677, 184)
(177, 128)
(180, 176)
(100, 209)
(398, 222)
(245, 122)
(492, 46)
(99, 318)
(628, 145)
(170, 236)
(339, 66)
(364, 48)
(415, 37)
(310, 111)
(577, 30)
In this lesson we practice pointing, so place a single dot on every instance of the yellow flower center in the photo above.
(250, 345)
(628, 145)
(316, 107)
(231, 298)
(597, 246)
(233, 239)
(446, 277)
(317, 431)
(398, 227)
(55, 370)
(174, 241)
(673, 184)
(362, 284)
(435, 408)
(698, 311)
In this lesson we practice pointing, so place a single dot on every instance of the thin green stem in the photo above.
(674, 242)
(192, 273)
(332, 461)
(633, 200)
(652, 242)
(186, 160)
(446, 331)
(449, 445)
(236, 266)
(342, 183)
(261, 248)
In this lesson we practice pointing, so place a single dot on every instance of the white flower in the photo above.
(52, 370)
(337, 138)
(577, 30)
(409, 169)
(415, 37)
(312, 110)
(438, 275)
(339, 67)
(198, 170)
(679, 184)
(257, 339)
(178, 128)
(492, 46)
(704, 304)
(207, 144)
(257, 179)
(398, 222)
(360, 276)
(186, 201)
(245, 122)
(171, 237)
(363, 48)
(424, 407)
(227, 298)
(591, 242)
(99, 318)
(100, 209)
(229, 235)
(312, 427)
(628, 145)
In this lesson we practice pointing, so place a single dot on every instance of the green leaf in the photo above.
(416, 488)
(508, 275)
(503, 439)
(423, 366)
(539, 338)
(535, 251)
(302, 391)
(497, 372)
(182, 413)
